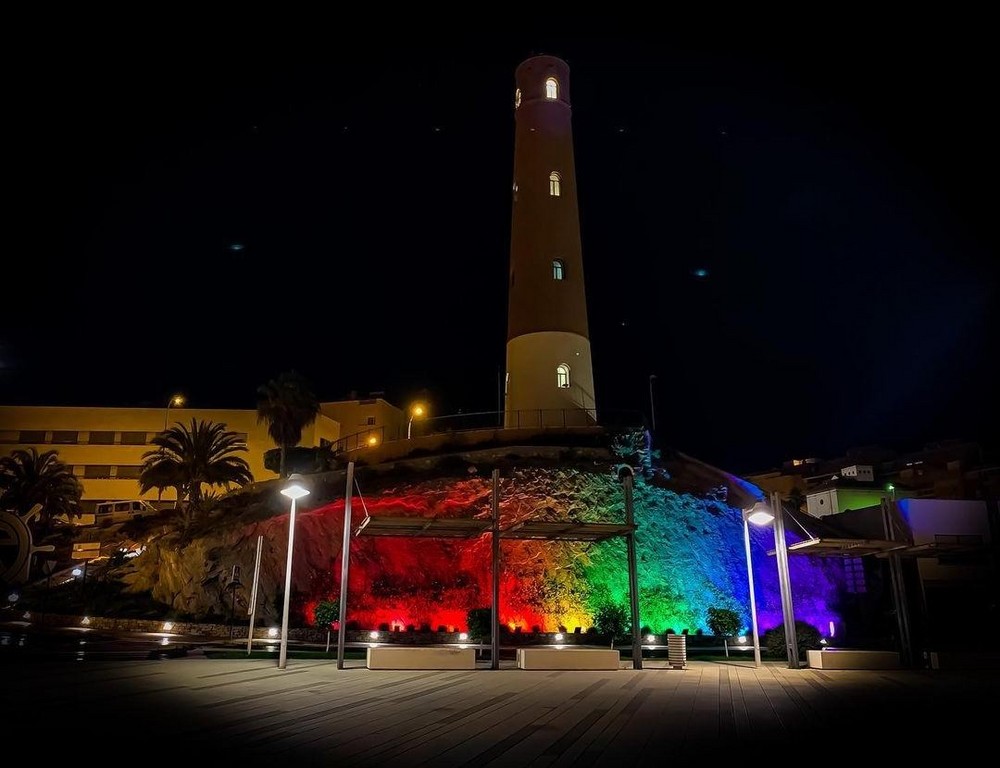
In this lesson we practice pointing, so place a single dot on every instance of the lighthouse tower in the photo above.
(550, 377)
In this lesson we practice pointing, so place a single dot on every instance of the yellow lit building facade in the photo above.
(104, 446)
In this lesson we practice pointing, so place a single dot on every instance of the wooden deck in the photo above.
(172, 711)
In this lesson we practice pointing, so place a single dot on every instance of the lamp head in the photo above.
(417, 410)
(177, 401)
(759, 514)
(294, 488)
(372, 441)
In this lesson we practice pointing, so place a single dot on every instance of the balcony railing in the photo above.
(533, 418)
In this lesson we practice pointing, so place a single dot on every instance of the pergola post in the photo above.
(626, 477)
(345, 564)
(898, 589)
(495, 613)
(784, 581)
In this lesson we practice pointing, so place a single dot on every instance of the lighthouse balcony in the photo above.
(491, 429)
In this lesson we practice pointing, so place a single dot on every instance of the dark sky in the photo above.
(840, 190)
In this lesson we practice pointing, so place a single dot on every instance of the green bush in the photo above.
(480, 622)
(806, 635)
(611, 620)
(327, 612)
(724, 622)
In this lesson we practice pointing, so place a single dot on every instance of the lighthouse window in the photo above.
(557, 270)
(562, 376)
(517, 98)
(551, 88)
(554, 179)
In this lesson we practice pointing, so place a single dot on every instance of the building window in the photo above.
(517, 98)
(554, 179)
(9, 435)
(562, 376)
(97, 471)
(551, 88)
(31, 436)
(854, 573)
(128, 472)
(133, 438)
(558, 270)
(66, 436)
(102, 438)
(370, 422)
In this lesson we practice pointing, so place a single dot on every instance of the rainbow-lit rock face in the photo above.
(689, 546)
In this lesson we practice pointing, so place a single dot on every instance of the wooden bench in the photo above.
(567, 658)
(847, 658)
(419, 657)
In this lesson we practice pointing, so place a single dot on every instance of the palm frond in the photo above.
(190, 456)
(28, 478)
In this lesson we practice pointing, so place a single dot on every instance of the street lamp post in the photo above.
(760, 514)
(626, 478)
(416, 412)
(175, 401)
(294, 490)
(753, 596)
(652, 404)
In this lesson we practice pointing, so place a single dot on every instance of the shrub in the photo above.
(807, 635)
(384, 627)
(480, 622)
(611, 620)
(724, 622)
(327, 612)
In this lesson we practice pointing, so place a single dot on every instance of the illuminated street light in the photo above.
(372, 441)
(294, 490)
(761, 514)
(759, 517)
(175, 401)
(417, 410)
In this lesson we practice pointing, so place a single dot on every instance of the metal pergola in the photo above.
(470, 528)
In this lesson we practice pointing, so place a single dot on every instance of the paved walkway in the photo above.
(173, 710)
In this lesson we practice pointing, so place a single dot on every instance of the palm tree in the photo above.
(287, 404)
(188, 458)
(28, 478)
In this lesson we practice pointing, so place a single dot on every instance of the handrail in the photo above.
(529, 418)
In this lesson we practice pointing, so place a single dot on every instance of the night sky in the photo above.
(839, 194)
